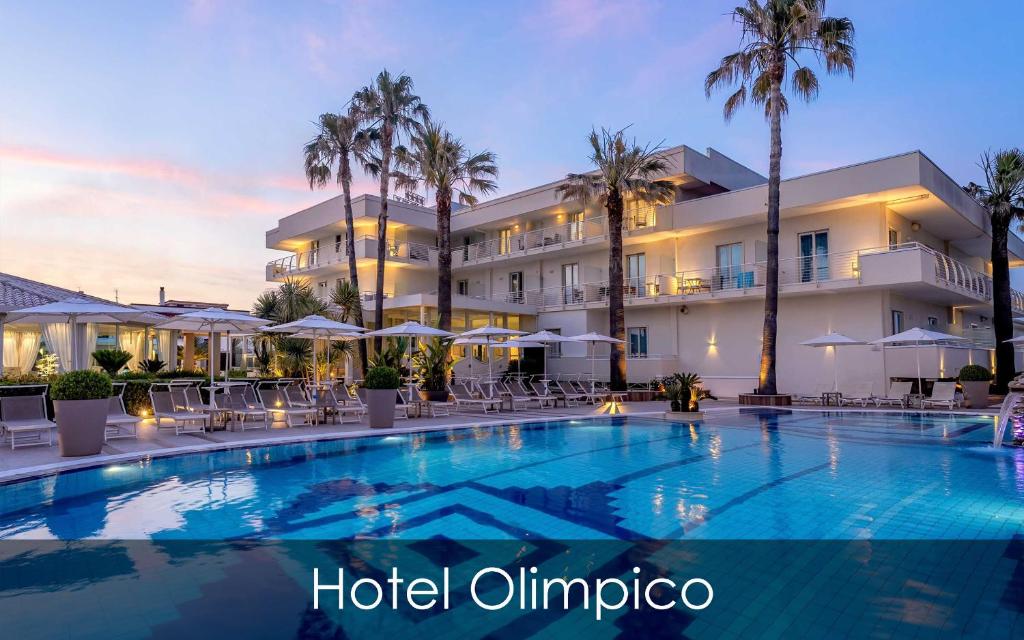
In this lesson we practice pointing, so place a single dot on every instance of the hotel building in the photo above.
(866, 250)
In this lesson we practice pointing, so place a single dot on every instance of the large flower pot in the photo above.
(976, 393)
(380, 404)
(80, 426)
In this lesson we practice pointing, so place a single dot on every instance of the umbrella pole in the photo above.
(835, 368)
(209, 359)
(920, 384)
(316, 372)
(227, 359)
(74, 343)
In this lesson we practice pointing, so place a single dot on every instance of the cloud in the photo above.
(570, 20)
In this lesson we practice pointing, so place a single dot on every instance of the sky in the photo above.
(153, 143)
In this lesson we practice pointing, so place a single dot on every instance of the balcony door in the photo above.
(505, 241)
(314, 252)
(571, 293)
(515, 286)
(636, 274)
(575, 226)
(729, 261)
(813, 256)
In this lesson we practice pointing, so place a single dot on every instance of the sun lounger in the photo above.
(297, 397)
(345, 405)
(814, 398)
(568, 394)
(860, 394)
(242, 411)
(165, 408)
(275, 403)
(23, 421)
(463, 397)
(898, 393)
(604, 392)
(120, 424)
(194, 400)
(541, 390)
(943, 395)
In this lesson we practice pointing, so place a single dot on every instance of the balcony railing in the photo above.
(366, 245)
(558, 235)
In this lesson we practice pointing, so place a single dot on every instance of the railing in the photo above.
(638, 217)
(313, 258)
(536, 239)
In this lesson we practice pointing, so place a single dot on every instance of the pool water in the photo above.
(758, 474)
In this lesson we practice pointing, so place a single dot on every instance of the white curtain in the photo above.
(10, 349)
(167, 349)
(28, 349)
(88, 345)
(58, 342)
(134, 342)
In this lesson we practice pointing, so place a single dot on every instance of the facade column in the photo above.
(423, 314)
(189, 353)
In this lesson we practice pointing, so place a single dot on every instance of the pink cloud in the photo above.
(576, 19)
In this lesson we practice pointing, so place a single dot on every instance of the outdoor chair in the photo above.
(569, 395)
(297, 397)
(242, 411)
(194, 400)
(463, 397)
(860, 394)
(165, 407)
(23, 421)
(816, 397)
(275, 403)
(344, 406)
(120, 424)
(519, 396)
(898, 394)
(541, 390)
(943, 395)
(605, 392)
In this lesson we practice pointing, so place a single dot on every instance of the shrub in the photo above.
(133, 375)
(81, 385)
(24, 378)
(382, 378)
(975, 373)
(153, 365)
(433, 364)
(181, 373)
(111, 360)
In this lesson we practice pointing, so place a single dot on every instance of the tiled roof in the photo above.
(19, 293)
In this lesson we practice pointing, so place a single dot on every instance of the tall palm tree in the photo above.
(330, 154)
(775, 34)
(624, 169)
(390, 111)
(1002, 195)
(293, 300)
(440, 161)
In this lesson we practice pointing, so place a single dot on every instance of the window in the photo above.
(894, 239)
(575, 226)
(462, 287)
(636, 274)
(314, 252)
(322, 288)
(813, 256)
(571, 293)
(933, 322)
(505, 241)
(637, 339)
(728, 259)
(465, 248)
(897, 322)
(555, 348)
(337, 243)
(515, 286)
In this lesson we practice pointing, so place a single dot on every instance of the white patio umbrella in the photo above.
(214, 320)
(592, 339)
(918, 338)
(488, 333)
(313, 328)
(411, 330)
(470, 342)
(834, 340)
(546, 337)
(77, 309)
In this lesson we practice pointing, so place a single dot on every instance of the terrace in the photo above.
(323, 260)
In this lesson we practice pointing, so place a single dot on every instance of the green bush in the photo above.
(153, 365)
(24, 378)
(81, 385)
(382, 378)
(111, 360)
(433, 364)
(136, 397)
(975, 373)
(181, 373)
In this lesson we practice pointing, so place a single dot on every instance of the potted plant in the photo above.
(381, 385)
(111, 360)
(80, 402)
(975, 380)
(682, 390)
(433, 366)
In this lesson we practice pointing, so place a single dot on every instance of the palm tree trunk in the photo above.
(766, 374)
(1002, 309)
(382, 234)
(350, 249)
(443, 199)
(616, 311)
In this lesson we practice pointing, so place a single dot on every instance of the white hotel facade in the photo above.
(866, 250)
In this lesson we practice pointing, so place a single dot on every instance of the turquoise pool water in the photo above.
(759, 474)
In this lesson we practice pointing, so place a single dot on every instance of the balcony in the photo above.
(323, 260)
(912, 266)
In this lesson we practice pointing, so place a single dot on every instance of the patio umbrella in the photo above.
(466, 342)
(919, 338)
(546, 337)
(488, 333)
(833, 340)
(592, 339)
(214, 320)
(76, 309)
(411, 330)
(517, 344)
(313, 328)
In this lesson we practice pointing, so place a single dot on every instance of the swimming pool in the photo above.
(745, 474)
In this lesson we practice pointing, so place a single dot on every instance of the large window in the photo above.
(637, 339)
(571, 293)
(897, 322)
(505, 241)
(728, 259)
(575, 226)
(636, 274)
(515, 286)
(314, 252)
(813, 256)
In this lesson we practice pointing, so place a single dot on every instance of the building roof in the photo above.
(19, 293)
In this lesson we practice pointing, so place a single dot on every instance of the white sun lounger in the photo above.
(276, 404)
(184, 421)
(860, 394)
(463, 397)
(23, 421)
(943, 395)
(897, 396)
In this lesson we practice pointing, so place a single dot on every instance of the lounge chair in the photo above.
(589, 395)
(194, 400)
(814, 398)
(543, 392)
(23, 421)
(860, 394)
(605, 392)
(344, 406)
(569, 394)
(297, 397)
(463, 396)
(522, 396)
(943, 395)
(275, 402)
(241, 410)
(120, 424)
(165, 407)
(898, 394)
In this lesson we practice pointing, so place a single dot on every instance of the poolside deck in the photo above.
(31, 461)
